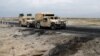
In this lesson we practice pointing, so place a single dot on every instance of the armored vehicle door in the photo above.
(45, 22)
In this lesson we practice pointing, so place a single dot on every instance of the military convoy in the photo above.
(43, 19)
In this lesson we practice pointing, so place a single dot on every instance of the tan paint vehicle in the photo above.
(26, 20)
(49, 20)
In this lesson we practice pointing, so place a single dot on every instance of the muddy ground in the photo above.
(21, 41)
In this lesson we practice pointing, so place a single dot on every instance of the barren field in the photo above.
(21, 41)
(85, 22)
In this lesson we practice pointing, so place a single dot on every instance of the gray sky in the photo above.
(68, 8)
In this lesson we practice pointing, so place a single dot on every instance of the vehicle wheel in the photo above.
(28, 25)
(38, 25)
(53, 27)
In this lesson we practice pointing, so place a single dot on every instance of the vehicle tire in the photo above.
(53, 27)
(38, 26)
(28, 25)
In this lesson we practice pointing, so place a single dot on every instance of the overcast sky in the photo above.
(68, 8)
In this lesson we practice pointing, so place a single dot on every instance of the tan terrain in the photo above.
(20, 41)
(86, 22)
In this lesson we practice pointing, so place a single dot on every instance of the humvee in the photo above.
(26, 20)
(49, 20)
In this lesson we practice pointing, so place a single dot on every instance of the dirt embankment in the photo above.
(78, 46)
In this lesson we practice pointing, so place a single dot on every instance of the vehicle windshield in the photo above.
(30, 18)
(48, 14)
(54, 17)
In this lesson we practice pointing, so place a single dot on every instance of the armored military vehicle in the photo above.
(46, 19)
(26, 20)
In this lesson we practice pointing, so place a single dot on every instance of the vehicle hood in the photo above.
(30, 21)
(57, 20)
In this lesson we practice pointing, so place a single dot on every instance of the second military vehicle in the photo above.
(26, 20)
(49, 20)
